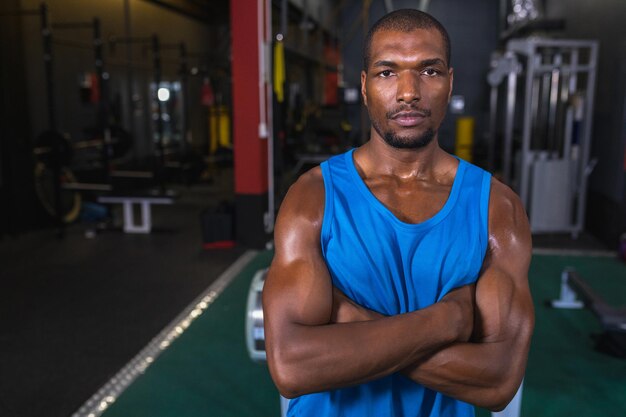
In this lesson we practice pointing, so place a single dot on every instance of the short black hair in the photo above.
(405, 20)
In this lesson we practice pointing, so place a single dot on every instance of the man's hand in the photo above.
(463, 298)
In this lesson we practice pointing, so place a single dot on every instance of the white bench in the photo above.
(144, 201)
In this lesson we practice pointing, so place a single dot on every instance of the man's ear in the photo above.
(363, 88)
(451, 73)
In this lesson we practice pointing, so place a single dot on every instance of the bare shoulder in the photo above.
(299, 220)
(305, 198)
(509, 231)
(311, 182)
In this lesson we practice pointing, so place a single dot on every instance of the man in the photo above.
(399, 285)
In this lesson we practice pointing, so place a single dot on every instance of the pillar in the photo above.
(249, 144)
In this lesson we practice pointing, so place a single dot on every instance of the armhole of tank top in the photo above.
(485, 194)
(328, 205)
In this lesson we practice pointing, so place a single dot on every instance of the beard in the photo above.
(405, 142)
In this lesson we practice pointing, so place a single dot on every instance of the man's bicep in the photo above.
(503, 299)
(504, 311)
(298, 288)
(297, 292)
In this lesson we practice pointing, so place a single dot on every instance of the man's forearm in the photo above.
(483, 373)
(313, 358)
(486, 374)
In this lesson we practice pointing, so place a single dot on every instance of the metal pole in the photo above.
(508, 127)
(586, 138)
(555, 77)
(129, 77)
(184, 86)
(47, 58)
(526, 163)
(283, 18)
(389, 6)
(267, 37)
(493, 121)
(102, 118)
(56, 151)
(156, 61)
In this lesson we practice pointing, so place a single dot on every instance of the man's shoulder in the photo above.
(502, 197)
(305, 198)
(507, 216)
(311, 181)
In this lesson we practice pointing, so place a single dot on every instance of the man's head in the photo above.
(405, 20)
(407, 81)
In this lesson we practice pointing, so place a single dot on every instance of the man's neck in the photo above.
(377, 157)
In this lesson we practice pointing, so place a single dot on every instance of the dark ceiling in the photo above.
(213, 12)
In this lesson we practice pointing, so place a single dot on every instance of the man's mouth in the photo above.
(409, 118)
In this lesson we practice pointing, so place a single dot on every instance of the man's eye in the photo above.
(431, 72)
(386, 73)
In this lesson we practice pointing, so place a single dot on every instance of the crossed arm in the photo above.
(471, 345)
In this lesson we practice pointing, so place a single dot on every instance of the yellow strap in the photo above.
(279, 71)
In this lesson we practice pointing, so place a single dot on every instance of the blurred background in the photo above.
(146, 146)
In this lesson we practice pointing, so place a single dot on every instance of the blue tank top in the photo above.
(394, 267)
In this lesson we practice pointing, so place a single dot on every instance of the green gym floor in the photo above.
(206, 371)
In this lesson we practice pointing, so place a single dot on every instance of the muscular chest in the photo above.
(411, 201)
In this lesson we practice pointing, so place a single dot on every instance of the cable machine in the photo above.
(544, 126)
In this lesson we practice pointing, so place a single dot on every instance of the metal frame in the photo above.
(554, 69)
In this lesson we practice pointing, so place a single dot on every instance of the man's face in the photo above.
(407, 86)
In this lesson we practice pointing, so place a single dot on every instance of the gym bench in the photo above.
(612, 319)
(145, 202)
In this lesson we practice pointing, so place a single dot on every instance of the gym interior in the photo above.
(146, 146)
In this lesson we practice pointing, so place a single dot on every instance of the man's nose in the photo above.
(408, 88)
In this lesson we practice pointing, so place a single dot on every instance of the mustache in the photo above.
(408, 109)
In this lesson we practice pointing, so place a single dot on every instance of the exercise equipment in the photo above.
(155, 47)
(100, 98)
(546, 126)
(145, 203)
(612, 319)
(163, 115)
(54, 151)
(55, 184)
(255, 333)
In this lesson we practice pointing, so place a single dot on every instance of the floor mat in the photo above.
(207, 371)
